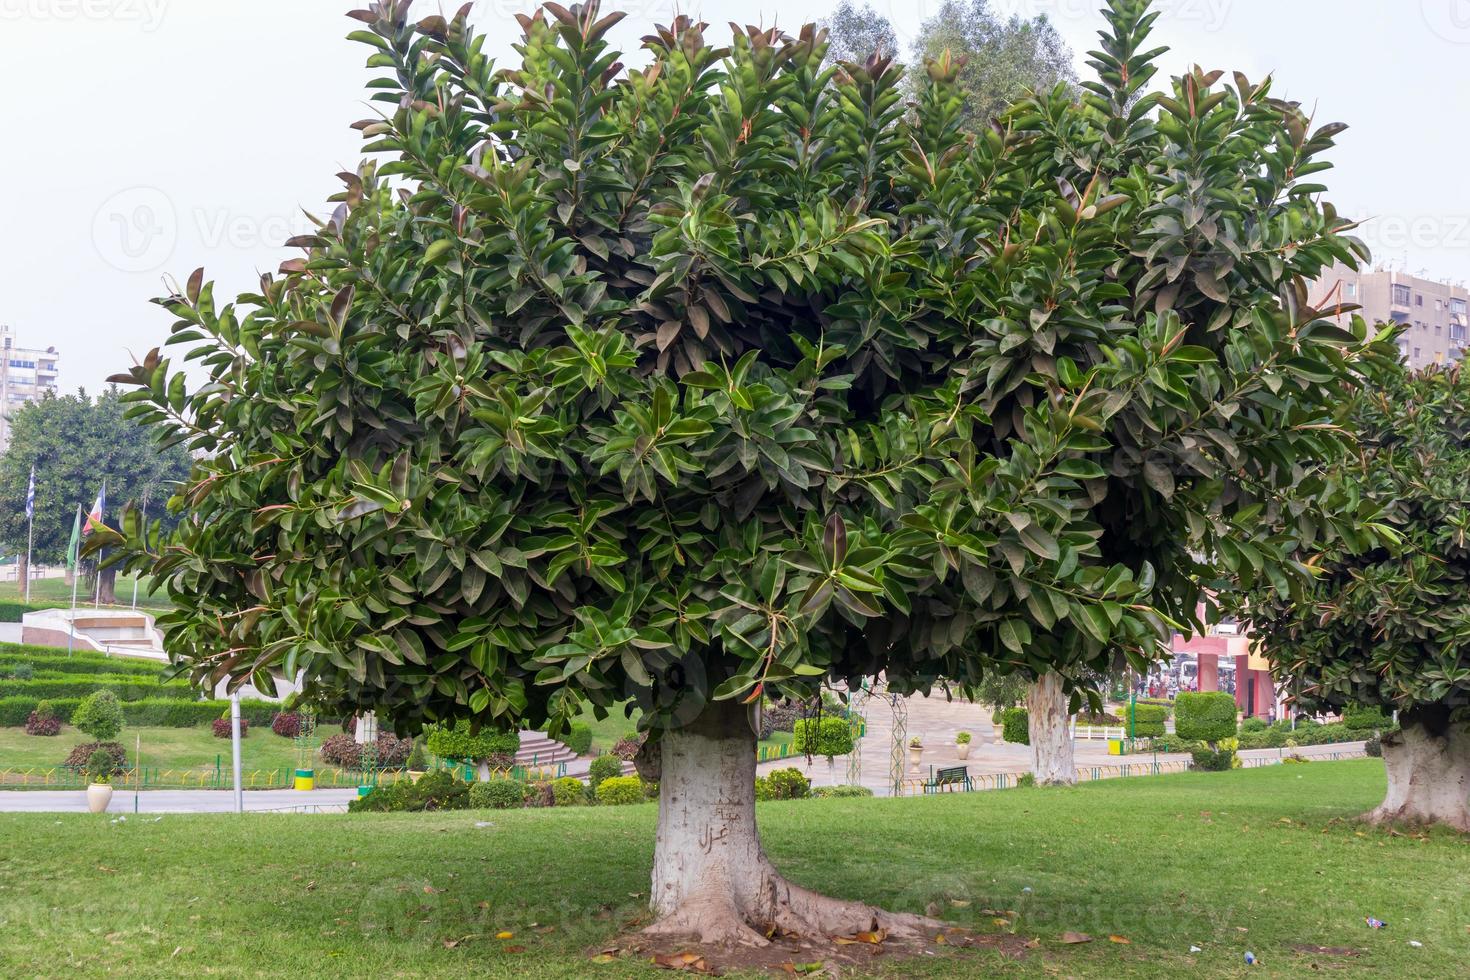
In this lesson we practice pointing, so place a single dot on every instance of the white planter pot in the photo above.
(98, 796)
(962, 750)
(915, 755)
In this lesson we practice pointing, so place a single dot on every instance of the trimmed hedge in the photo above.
(833, 736)
(1206, 716)
(497, 794)
(12, 612)
(152, 712)
(1147, 719)
(1358, 718)
(577, 739)
(79, 686)
(47, 661)
(1015, 726)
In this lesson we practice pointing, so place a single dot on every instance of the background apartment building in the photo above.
(1433, 313)
(26, 373)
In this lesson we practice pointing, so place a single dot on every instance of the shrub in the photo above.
(604, 767)
(436, 791)
(1015, 726)
(782, 784)
(222, 728)
(841, 791)
(1173, 743)
(81, 757)
(344, 751)
(620, 791)
(1213, 760)
(100, 716)
(1100, 718)
(1267, 737)
(1253, 724)
(457, 743)
(1374, 746)
(1207, 716)
(779, 716)
(1146, 719)
(1295, 759)
(286, 724)
(1026, 781)
(418, 759)
(962, 738)
(100, 766)
(826, 736)
(1358, 718)
(539, 793)
(38, 724)
(497, 794)
(22, 672)
(568, 791)
(628, 746)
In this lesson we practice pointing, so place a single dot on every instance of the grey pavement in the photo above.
(153, 801)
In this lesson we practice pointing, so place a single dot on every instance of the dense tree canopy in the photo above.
(1390, 625)
(75, 442)
(728, 374)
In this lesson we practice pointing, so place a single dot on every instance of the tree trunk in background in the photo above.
(109, 586)
(1428, 763)
(22, 572)
(711, 879)
(1051, 735)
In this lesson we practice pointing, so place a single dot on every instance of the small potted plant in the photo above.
(100, 766)
(962, 744)
(916, 752)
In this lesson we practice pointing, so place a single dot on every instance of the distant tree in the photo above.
(75, 443)
(854, 33)
(1004, 57)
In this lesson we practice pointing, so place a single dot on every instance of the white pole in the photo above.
(235, 749)
(30, 541)
(76, 573)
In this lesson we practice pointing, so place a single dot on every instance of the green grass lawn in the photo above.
(1261, 860)
(167, 748)
(47, 592)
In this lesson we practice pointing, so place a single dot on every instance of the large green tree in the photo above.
(75, 442)
(1388, 621)
(726, 375)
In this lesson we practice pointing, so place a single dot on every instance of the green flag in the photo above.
(76, 539)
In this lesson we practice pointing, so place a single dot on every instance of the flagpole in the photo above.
(76, 573)
(30, 542)
(101, 515)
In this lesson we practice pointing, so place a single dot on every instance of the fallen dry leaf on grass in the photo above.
(1120, 939)
(688, 962)
(872, 938)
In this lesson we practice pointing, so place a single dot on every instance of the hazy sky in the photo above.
(153, 136)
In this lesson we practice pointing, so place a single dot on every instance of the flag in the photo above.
(76, 539)
(31, 496)
(94, 519)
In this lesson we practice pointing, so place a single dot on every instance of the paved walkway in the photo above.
(178, 801)
(936, 721)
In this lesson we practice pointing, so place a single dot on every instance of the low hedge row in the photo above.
(79, 686)
(46, 662)
(153, 712)
(1147, 719)
(12, 612)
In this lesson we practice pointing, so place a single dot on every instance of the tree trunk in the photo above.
(711, 879)
(22, 572)
(1428, 763)
(109, 586)
(1051, 735)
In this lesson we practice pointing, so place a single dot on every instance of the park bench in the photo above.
(953, 777)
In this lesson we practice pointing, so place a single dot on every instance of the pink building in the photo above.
(1255, 691)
